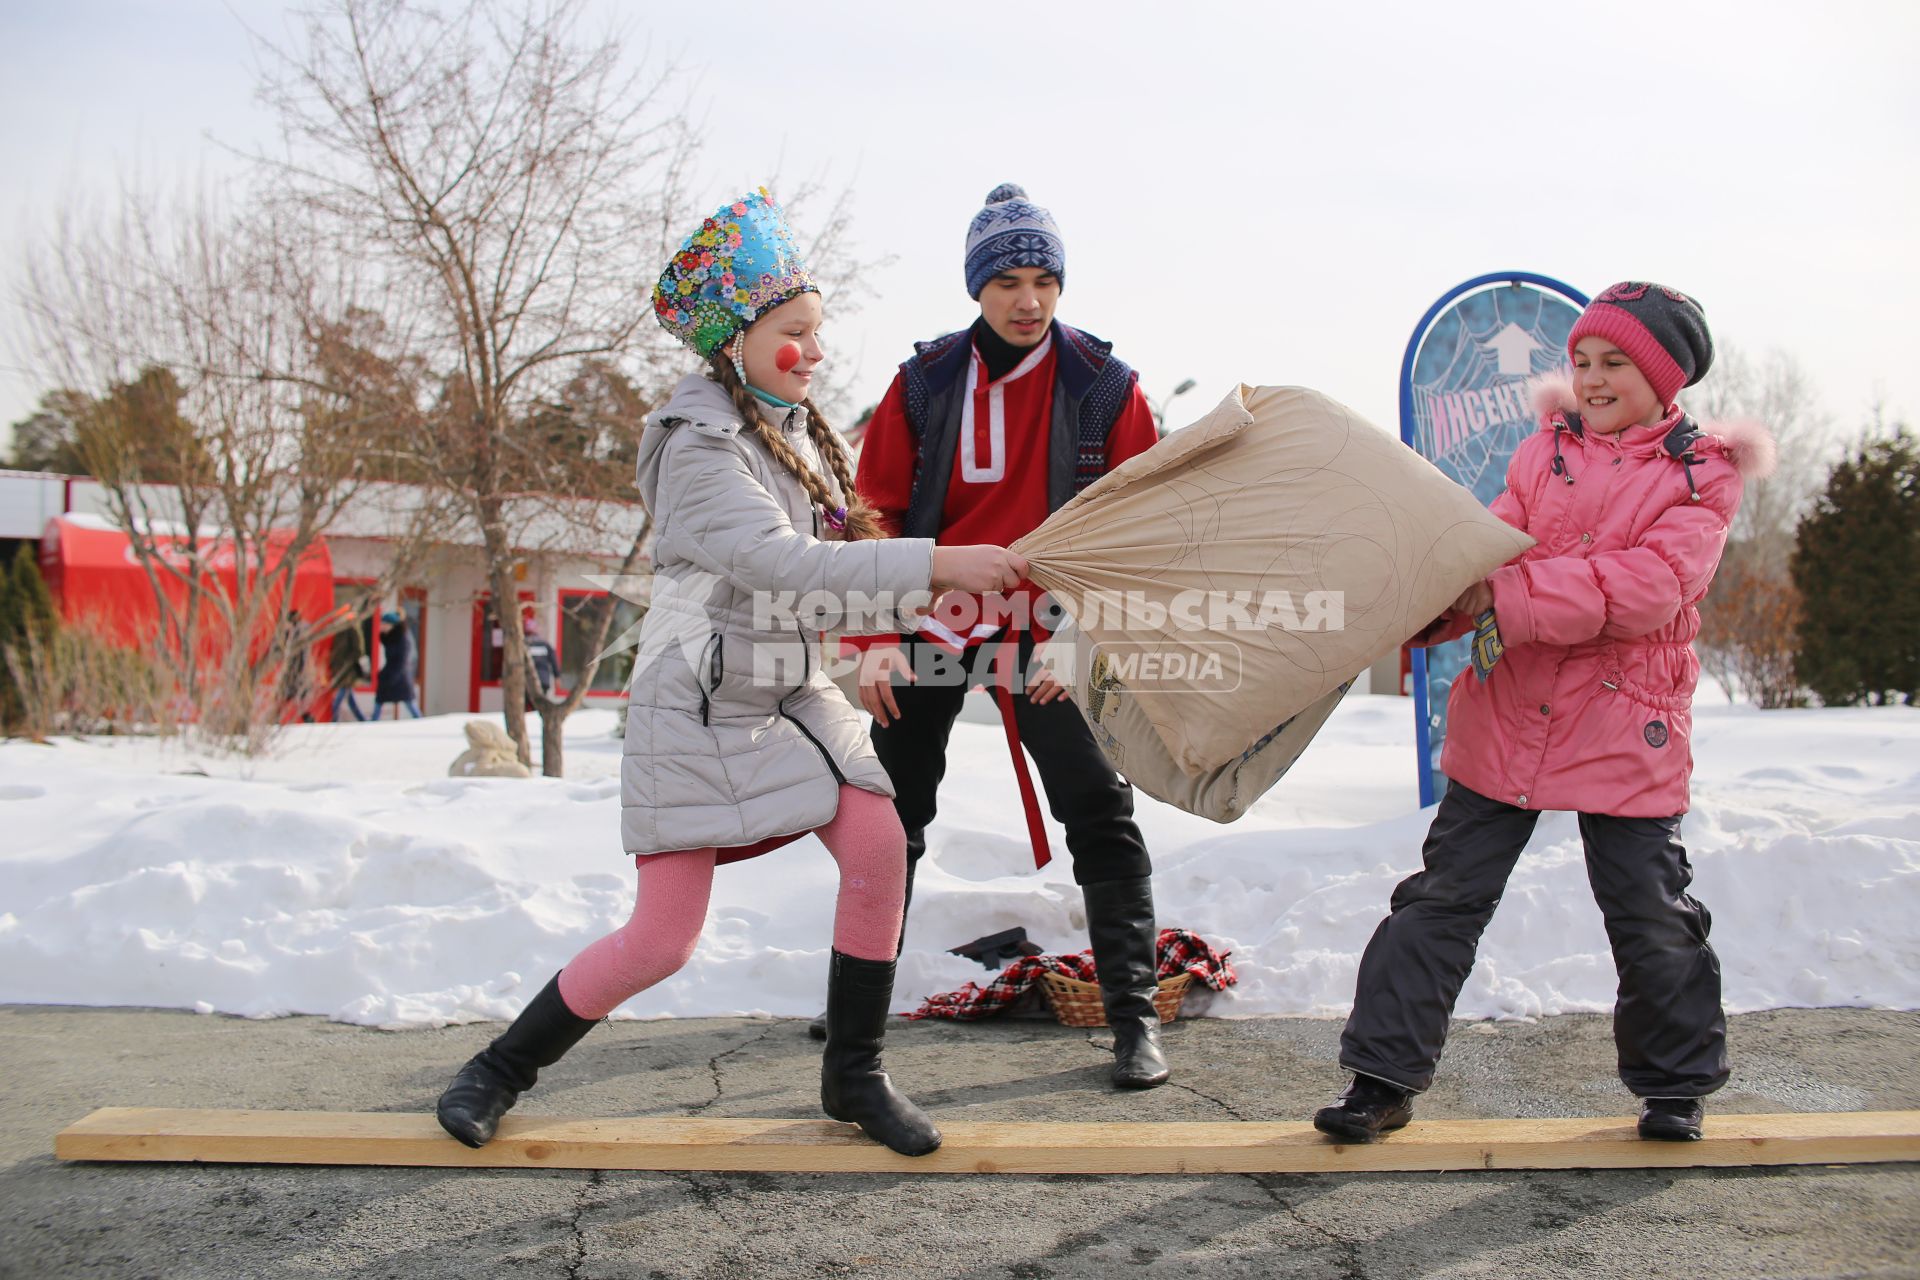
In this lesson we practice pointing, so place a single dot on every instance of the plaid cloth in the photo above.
(1180, 952)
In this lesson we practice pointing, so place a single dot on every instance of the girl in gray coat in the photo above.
(736, 741)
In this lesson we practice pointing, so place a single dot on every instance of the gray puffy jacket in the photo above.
(734, 734)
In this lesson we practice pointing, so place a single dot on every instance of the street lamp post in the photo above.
(1160, 410)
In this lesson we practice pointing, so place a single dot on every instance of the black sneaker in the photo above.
(1366, 1110)
(1671, 1119)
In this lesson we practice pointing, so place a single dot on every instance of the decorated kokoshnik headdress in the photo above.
(741, 263)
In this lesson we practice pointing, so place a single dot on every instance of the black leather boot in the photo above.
(1367, 1109)
(853, 1085)
(493, 1079)
(818, 1027)
(1125, 958)
(1672, 1119)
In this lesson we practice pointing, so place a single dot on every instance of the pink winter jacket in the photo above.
(1590, 708)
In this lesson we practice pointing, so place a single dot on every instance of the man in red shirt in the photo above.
(981, 436)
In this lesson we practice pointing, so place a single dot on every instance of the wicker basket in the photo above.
(1077, 1003)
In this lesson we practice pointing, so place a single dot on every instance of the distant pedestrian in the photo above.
(546, 663)
(347, 666)
(399, 667)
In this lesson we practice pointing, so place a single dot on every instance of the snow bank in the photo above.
(349, 877)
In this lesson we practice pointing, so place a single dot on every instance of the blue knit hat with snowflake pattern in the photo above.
(1012, 231)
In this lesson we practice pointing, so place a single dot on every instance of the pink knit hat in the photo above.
(1663, 331)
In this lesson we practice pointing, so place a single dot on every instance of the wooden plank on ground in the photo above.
(822, 1146)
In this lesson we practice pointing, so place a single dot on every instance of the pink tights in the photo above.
(865, 839)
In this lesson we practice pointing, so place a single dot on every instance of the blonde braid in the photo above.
(862, 520)
(771, 436)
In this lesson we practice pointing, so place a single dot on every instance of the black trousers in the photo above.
(1084, 793)
(1668, 1027)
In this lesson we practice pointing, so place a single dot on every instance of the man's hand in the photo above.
(1042, 688)
(877, 666)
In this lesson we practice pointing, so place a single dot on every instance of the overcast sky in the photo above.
(1267, 193)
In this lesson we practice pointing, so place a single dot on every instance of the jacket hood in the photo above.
(1746, 444)
(697, 402)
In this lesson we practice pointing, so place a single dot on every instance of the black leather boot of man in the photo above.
(1126, 960)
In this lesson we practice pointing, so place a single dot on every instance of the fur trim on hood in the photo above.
(1748, 445)
(1550, 393)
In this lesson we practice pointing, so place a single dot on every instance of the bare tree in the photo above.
(206, 420)
(1746, 621)
(512, 191)
(591, 437)
(554, 710)
(1775, 391)
(841, 267)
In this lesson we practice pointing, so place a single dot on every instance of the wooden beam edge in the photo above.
(720, 1145)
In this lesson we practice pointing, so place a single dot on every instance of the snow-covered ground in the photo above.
(350, 877)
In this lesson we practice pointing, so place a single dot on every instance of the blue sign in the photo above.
(1463, 406)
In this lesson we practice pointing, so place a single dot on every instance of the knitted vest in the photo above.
(1090, 388)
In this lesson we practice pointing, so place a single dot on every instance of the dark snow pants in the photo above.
(1084, 793)
(1668, 1026)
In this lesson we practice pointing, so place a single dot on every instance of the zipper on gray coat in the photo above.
(716, 668)
(818, 745)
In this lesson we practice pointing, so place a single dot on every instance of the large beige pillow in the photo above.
(1136, 751)
(1248, 566)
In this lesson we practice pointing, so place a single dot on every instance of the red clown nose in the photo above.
(786, 357)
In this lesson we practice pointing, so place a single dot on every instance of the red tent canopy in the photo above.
(93, 574)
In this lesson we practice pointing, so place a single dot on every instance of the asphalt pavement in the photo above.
(62, 1220)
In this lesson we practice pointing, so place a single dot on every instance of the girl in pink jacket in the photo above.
(1579, 699)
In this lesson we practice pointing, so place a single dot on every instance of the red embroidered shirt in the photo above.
(998, 490)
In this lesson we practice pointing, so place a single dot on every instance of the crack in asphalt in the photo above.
(713, 1066)
(579, 1237)
(1351, 1267)
(1221, 1103)
(708, 1197)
